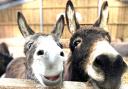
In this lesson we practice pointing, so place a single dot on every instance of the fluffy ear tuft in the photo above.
(58, 29)
(23, 26)
(71, 20)
(102, 20)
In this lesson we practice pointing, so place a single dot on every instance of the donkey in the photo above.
(5, 57)
(44, 55)
(92, 58)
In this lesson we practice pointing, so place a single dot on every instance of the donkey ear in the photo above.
(58, 29)
(71, 20)
(103, 16)
(23, 26)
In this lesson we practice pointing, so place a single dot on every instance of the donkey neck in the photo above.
(76, 73)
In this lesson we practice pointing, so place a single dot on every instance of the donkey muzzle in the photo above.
(110, 65)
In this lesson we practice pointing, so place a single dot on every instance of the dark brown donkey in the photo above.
(92, 58)
(5, 57)
(44, 55)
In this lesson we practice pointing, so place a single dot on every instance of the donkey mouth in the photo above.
(52, 78)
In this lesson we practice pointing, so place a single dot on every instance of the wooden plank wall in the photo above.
(8, 24)
(118, 19)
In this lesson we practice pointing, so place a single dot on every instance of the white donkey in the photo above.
(44, 55)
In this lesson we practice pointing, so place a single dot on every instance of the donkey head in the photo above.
(93, 55)
(43, 52)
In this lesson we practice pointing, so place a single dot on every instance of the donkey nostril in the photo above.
(101, 60)
(40, 52)
(62, 54)
(97, 62)
(119, 62)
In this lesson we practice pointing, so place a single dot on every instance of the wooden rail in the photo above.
(7, 83)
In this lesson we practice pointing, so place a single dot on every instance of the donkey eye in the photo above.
(107, 37)
(29, 45)
(76, 42)
(60, 45)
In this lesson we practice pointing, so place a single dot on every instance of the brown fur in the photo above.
(82, 60)
(17, 68)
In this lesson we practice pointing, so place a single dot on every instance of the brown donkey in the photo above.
(5, 57)
(92, 58)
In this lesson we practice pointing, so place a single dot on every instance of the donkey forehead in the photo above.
(44, 41)
(35, 37)
(91, 33)
(47, 41)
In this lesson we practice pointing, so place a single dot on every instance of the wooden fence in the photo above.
(118, 19)
(29, 84)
